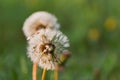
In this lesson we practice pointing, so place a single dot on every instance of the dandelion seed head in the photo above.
(44, 46)
(39, 20)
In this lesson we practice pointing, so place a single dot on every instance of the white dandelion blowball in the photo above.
(45, 46)
(39, 20)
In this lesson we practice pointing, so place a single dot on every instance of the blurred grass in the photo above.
(93, 27)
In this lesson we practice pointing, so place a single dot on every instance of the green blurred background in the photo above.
(93, 27)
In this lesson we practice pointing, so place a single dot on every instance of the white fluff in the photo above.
(34, 22)
(52, 36)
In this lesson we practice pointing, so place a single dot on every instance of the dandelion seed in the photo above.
(45, 46)
(39, 20)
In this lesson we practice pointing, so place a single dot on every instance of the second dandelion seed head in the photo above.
(39, 20)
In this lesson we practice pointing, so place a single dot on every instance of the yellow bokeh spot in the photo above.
(110, 24)
(94, 34)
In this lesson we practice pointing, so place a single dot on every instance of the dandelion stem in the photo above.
(34, 73)
(44, 73)
(56, 73)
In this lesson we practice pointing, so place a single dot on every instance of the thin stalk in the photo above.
(56, 72)
(34, 73)
(44, 73)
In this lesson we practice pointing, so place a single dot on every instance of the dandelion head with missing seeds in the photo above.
(45, 46)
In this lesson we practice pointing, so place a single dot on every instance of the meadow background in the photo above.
(93, 27)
